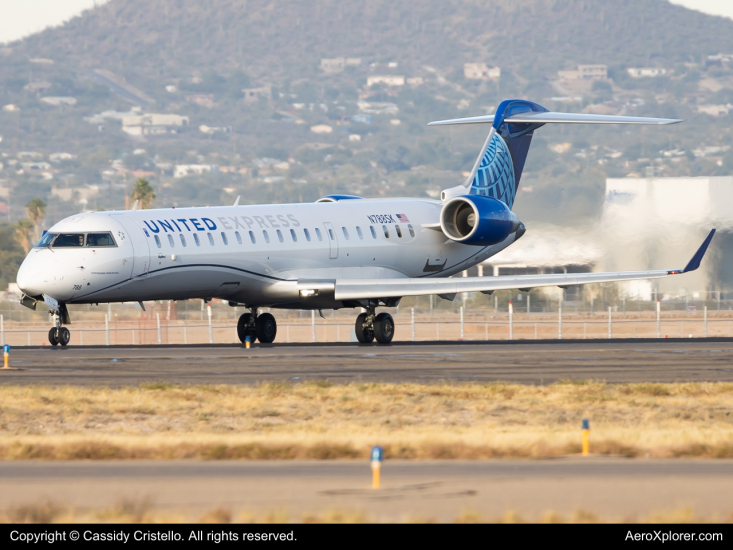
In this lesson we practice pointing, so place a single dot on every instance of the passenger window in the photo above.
(267, 237)
(318, 234)
(358, 232)
(292, 234)
(157, 241)
(66, 240)
(279, 235)
(330, 234)
(386, 231)
(398, 230)
(211, 239)
(170, 241)
(307, 235)
(183, 239)
(196, 238)
(239, 238)
(374, 233)
(346, 233)
(224, 238)
(100, 239)
(412, 231)
(252, 238)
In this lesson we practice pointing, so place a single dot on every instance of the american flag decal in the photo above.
(402, 218)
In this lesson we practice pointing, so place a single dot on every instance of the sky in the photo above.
(23, 17)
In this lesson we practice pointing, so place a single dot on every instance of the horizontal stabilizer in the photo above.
(555, 118)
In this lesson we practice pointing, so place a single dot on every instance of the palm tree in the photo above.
(23, 234)
(36, 211)
(143, 192)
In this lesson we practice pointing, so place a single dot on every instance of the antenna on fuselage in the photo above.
(134, 206)
(236, 202)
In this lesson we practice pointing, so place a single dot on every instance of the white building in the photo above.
(58, 101)
(388, 80)
(377, 108)
(151, 123)
(658, 223)
(585, 72)
(183, 170)
(648, 72)
(479, 71)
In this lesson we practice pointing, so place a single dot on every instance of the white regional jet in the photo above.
(341, 251)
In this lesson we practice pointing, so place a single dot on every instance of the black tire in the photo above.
(266, 328)
(243, 328)
(64, 336)
(363, 334)
(384, 328)
(52, 337)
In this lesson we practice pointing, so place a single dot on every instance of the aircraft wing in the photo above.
(355, 289)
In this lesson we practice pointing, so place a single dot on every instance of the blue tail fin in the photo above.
(502, 162)
(498, 168)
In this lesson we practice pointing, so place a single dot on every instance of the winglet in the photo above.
(236, 202)
(694, 263)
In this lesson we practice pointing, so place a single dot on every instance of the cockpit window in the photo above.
(100, 239)
(46, 239)
(65, 240)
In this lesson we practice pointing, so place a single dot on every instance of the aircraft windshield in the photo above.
(100, 239)
(65, 240)
(46, 240)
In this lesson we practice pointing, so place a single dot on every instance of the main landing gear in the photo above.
(370, 326)
(58, 334)
(262, 327)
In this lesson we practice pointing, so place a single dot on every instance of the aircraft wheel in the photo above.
(384, 328)
(64, 336)
(364, 334)
(243, 329)
(52, 337)
(266, 328)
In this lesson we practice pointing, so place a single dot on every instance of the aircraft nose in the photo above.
(30, 278)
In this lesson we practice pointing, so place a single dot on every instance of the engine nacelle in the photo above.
(477, 220)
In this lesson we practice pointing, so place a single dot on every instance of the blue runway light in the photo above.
(377, 454)
(585, 424)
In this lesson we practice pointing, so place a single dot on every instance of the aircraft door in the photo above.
(333, 242)
(141, 250)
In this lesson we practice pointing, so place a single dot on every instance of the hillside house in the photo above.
(645, 72)
(37, 87)
(58, 101)
(204, 100)
(151, 123)
(183, 170)
(479, 71)
(253, 95)
(334, 65)
(388, 80)
(585, 72)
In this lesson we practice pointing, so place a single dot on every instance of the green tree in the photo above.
(143, 192)
(36, 211)
(23, 234)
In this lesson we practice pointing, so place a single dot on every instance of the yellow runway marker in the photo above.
(377, 459)
(586, 438)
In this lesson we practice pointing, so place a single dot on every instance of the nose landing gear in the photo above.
(368, 327)
(58, 334)
(262, 327)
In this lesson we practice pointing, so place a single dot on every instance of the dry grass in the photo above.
(318, 420)
(141, 512)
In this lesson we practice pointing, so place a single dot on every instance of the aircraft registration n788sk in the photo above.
(339, 252)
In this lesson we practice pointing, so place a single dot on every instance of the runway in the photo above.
(530, 362)
(612, 488)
